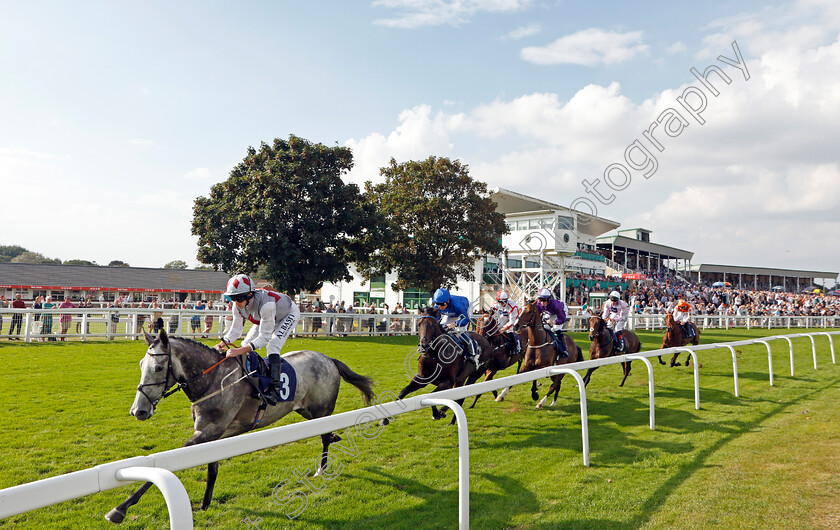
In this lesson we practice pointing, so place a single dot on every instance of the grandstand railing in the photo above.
(129, 323)
(158, 468)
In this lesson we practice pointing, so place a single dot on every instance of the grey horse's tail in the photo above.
(364, 384)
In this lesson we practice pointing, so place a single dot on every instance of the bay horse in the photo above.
(674, 338)
(502, 358)
(222, 405)
(441, 362)
(603, 346)
(540, 352)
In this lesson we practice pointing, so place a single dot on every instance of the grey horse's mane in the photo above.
(190, 342)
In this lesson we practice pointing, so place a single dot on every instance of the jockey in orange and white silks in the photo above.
(274, 316)
(682, 316)
(682, 312)
(506, 312)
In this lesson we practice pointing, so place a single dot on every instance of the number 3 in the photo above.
(284, 387)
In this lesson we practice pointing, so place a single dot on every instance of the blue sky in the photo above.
(117, 115)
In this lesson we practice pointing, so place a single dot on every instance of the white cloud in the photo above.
(418, 13)
(418, 136)
(199, 173)
(677, 47)
(523, 31)
(756, 185)
(588, 47)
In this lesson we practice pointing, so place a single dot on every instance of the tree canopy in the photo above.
(79, 262)
(9, 252)
(439, 222)
(176, 264)
(118, 263)
(286, 208)
(33, 257)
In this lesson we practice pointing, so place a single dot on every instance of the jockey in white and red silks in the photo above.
(615, 313)
(275, 316)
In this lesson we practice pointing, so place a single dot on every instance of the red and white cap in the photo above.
(502, 296)
(239, 284)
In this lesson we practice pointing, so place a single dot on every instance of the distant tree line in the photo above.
(19, 254)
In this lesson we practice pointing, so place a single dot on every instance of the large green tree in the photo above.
(286, 208)
(439, 222)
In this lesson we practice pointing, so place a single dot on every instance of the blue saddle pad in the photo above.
(288, 377)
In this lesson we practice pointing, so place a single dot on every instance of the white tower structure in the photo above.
(545, 241)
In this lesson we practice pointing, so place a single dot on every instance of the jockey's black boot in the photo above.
(275, 367)
(620, 341)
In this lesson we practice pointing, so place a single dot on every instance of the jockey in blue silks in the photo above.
(454, 315)
(453, 308)
(546, 304)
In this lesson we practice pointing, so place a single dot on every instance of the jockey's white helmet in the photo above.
(544, 294)
(239, 284)
(502, 296)
(615, 295)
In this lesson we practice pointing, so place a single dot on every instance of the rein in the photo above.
(182, 384)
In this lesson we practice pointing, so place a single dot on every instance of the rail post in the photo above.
(696, 377)
(790, 349)
(650, 385)
(584, 414)
(831, 343)
(463, 458)
(177, 500)
(813, 348)
(770, 359)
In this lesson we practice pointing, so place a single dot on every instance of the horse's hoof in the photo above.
(384, 421)
(676, 364)
(535, 396)
(663, 363)
(538, 406)
(500, 399)
(115, 516)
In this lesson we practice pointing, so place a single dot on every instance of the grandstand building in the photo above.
(546, 243)
(90, 281)
(764, 278)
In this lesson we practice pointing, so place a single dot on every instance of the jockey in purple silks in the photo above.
(553, 307)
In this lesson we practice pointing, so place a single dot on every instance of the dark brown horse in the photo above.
(674, 338)
(502, 358)
(441, 362)
(541, 353)
(603, 346)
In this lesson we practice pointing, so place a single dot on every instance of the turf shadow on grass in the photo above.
(659, 497)
(436, 509)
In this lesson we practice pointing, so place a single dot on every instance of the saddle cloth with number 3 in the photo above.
(288, 379)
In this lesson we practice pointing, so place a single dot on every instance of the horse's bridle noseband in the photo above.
(166, 393)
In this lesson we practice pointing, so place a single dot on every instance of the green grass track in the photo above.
(769, 459)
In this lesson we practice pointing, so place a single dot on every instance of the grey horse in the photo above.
(222, 400)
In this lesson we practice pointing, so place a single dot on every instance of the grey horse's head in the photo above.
(156, 376)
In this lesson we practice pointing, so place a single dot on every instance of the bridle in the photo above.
(178, 384)
(169, 373)
(600, 331)
(420, 345)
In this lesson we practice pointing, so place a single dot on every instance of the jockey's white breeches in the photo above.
(616, 325)
(283, 331)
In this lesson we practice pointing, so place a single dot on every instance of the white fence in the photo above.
(123, 323)
(158, 467)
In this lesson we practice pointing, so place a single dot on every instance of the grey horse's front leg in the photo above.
(117, 515)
